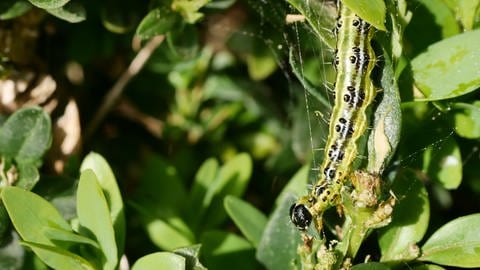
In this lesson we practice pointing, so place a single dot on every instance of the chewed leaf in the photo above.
(372, 11)
(457, 243)
(448, 68)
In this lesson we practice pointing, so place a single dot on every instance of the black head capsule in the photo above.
(300, 216)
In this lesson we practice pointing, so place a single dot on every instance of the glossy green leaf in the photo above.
(223, 250)
(107, 181)
(26, 135)
(248, 219)
(169, 235)
(445, 164)
(321, 18)
(191, 255)
(47, 4)
(157, 22)
(278, 246)
(160, 260)
(448, 68)
(59, 258)
(456, 243)
(372, 11)
(467, 120)
(94, 217)
(409, 221)
(32, 215)
(10, 9)
(72, 12)
(371, 266)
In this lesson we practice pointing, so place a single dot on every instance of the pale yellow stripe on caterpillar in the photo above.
(354, 60)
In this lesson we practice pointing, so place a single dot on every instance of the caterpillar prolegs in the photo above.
(354, 60)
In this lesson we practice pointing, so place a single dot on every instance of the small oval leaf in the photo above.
(26, 135)
(157, 22)
(457, 243)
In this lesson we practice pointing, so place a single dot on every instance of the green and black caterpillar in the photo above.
(354, 61)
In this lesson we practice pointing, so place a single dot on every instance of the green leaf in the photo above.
(189, 9)
(191, 255)
(107, 181)
(249, 220)
(456, 243)
(204, 177)
(385, 135)
(443, 17)
(59, 258)
(10, 9)
(32, 215)
(223, 250)
(278, 246)
(371, 266)
(445, 165)
(232, 179)
(467, 122)
(465, 11)
(372, 11)
(160, 260)
(321, 18)
(427, 267)
(72, 12)
(157, 22)
(26, 135)
(296, 186)
(56, 234)
(169, 235)
(448, 68)
(152, 194)
(27, 176)
(409, 221)
(94, 217)
(46, 4)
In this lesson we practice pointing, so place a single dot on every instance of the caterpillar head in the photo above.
(300, 216)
